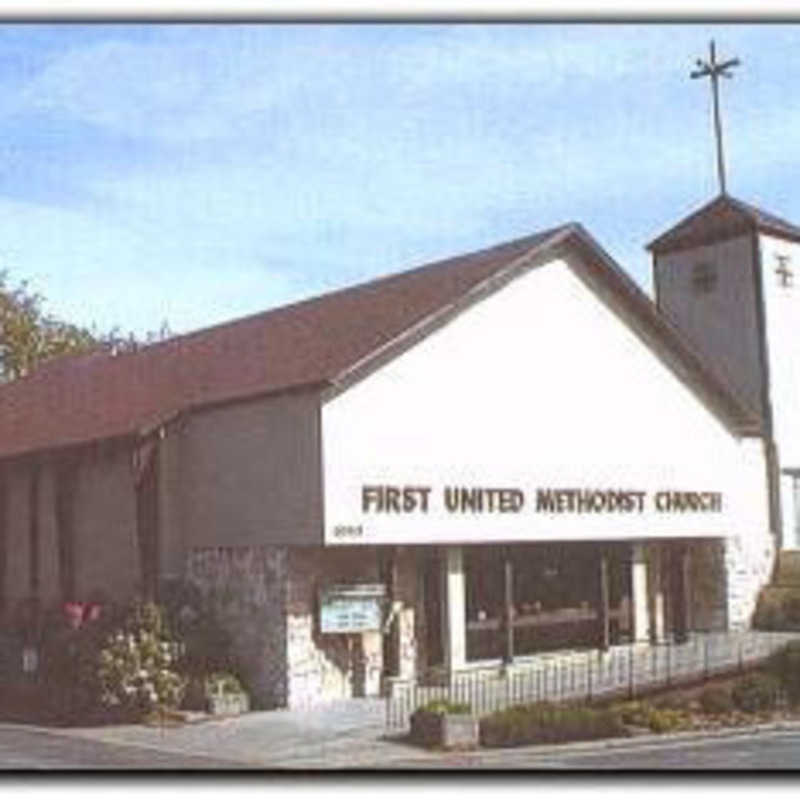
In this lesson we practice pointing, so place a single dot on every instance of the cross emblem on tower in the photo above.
(713, 69)
(783, 272)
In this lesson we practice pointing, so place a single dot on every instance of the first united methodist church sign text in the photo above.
(381, 499)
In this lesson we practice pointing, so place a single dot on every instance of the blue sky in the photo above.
(198, 173)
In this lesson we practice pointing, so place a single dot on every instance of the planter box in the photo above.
(447, 731)
(227, 704)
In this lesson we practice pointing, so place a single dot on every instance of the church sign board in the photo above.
(353, 608)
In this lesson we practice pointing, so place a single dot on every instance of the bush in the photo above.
(136, 665)
(223, 683)
(634, 712)
(778, 609)
(69, 658)
(716, 700)
(445, 707)
(542, 723)
(675, 701)
(756, 692)
(785, 666)
(665, 720)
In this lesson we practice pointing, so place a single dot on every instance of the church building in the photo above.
(506, 453)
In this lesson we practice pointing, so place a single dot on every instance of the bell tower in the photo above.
(728, 278)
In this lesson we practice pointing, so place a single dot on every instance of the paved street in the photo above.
(25, 749)
(747, 751)
(763, 751)
(284, 741)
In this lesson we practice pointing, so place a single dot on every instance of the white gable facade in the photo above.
(537, 414)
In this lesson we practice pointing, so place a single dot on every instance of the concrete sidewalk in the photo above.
(342, 731)
(350, 735)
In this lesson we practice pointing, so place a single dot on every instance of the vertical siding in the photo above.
(49, 580)
(250, 474)
(106, 556)
(722, 323)
(17, 531)
(170, 527)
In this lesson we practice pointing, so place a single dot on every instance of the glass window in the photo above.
(555, 597)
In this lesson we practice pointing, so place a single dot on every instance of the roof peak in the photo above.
(722, 217)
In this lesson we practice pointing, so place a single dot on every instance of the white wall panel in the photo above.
(542, 385)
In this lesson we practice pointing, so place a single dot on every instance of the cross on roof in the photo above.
(713, 69)
(782, 270)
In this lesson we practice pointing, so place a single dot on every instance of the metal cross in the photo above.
(783, 271)
(713, 70)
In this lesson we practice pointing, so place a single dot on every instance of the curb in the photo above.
(422, 756)
(618, 743)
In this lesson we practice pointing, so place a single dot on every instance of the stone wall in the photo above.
(245, 587)
(267, 599)
(324, 667)
(748, 566)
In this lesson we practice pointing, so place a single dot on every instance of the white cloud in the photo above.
(296, 161)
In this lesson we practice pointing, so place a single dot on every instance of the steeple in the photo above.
(714, 70)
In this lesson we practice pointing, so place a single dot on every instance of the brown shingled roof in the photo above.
(75, 400)
(318, 342)
(722, 218)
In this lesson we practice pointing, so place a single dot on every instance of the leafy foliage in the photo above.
(778, 609)
(137, 665)
(69, 661)
(785, 666)
(445, 707)
(223, 683)
(548, 723)
(664, 720)
(716, 700)
(634, 712)
(30, 337)
(756, 692)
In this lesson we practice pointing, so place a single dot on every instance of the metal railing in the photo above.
(624, 671)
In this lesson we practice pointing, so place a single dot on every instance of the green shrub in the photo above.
(665, 720)
(69, 661)
(778, 609)
(674, 700)
(716, 700)
(445, 707)
(634, 712)
(785, 666)
(542, 723)
(223, 683)
(137, 664)
(756, 692)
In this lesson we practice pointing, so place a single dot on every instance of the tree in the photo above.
(29, 337)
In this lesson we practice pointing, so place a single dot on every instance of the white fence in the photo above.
(625, 671)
